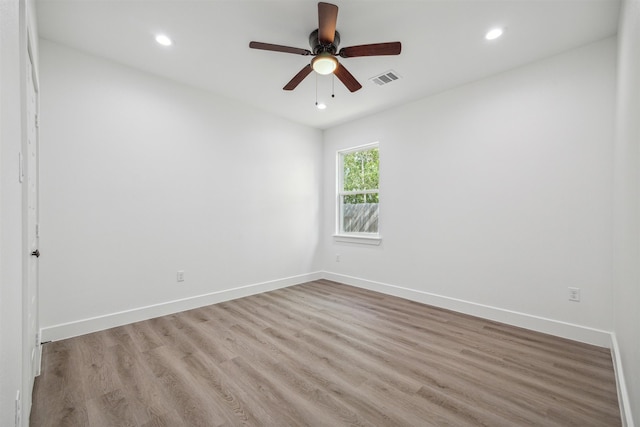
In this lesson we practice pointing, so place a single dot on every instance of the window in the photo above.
(358, 194)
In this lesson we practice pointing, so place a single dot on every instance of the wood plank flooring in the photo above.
(323, 354)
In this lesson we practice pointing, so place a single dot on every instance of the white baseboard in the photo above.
(553, 327)
(566, 330)
(99, 323)
(38, 359)
(623, 394)
(540, 324)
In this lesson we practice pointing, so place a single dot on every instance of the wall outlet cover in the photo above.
(574, 294)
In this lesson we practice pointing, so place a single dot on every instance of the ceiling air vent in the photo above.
(385, 78)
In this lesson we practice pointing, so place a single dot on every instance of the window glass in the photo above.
(358, 194)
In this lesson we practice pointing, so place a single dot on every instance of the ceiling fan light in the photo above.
(324, 63)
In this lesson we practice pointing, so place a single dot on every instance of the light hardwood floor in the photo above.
(323, 354)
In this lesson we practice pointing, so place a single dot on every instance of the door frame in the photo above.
(30, 338)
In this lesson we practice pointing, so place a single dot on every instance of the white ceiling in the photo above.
(443, 44)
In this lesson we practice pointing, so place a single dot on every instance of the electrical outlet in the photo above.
(337, 257)
(180, 276)
(574, 294)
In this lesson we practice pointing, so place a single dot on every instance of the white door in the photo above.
(31, 297)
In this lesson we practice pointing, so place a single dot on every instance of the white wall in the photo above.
(496, 196)
(142, 177)
(627, 204)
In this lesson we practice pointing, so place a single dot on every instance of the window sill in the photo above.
(358, 239)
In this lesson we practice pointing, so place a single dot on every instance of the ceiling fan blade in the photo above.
(295, 81)
(278, 48)
(376, 49)
(327, 18)
(347, 78)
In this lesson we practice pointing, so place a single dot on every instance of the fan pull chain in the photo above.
(316, 89)
(333, 85)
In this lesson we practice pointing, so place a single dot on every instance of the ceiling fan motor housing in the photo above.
(317, 47)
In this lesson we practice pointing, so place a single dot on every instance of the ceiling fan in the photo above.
(324, 44)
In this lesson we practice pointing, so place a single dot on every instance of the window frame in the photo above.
(353, 237)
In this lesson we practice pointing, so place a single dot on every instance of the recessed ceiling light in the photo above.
(321, 106)
(494, 33)
(163, 40)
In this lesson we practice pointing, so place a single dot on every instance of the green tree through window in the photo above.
(358, 194)
(361, 172)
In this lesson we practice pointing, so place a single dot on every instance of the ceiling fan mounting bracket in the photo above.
(317, 47)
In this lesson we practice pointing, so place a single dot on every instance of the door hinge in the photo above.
(37, 230)
(37, 120)
(20, 167)
(18, 410)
